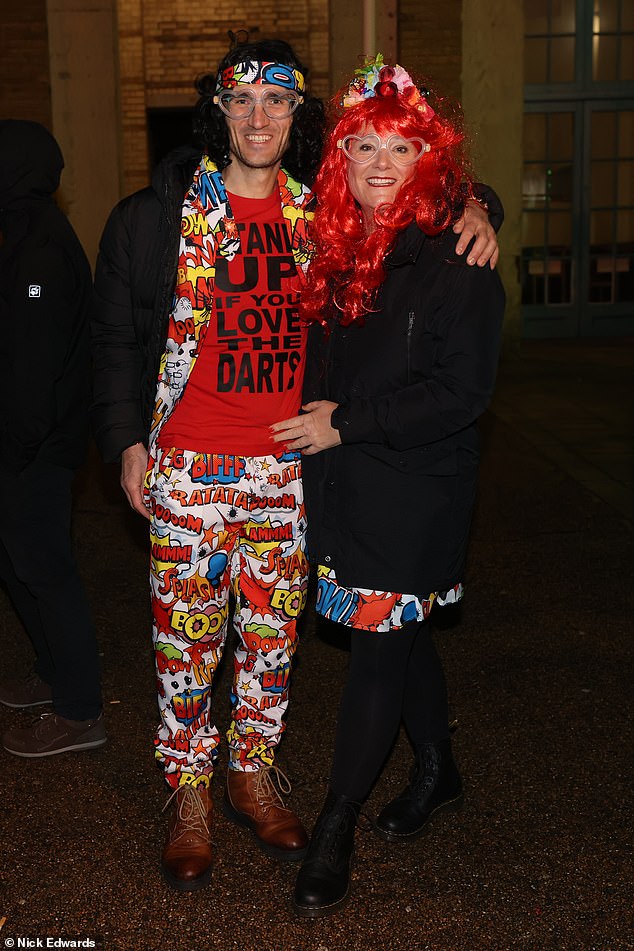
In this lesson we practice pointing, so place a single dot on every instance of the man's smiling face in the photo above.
(258, 141)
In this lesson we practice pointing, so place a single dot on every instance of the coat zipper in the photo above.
(410, 328)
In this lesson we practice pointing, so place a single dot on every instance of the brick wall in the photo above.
(430, 42)
(25, 91)
(165, 44)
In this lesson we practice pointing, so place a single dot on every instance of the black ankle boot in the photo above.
(435, 786)
(324, 879)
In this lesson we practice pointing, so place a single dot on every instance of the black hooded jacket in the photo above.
(45, 286)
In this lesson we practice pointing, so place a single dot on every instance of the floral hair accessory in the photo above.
(374, 78)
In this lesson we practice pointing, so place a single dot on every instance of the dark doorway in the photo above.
(167, 129)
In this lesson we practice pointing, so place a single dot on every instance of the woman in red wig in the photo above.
(402, 360)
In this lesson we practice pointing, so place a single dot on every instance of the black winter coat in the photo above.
(390, 508)
(134, 283)
(45, 285)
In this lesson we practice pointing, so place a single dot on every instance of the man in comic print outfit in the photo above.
(197, 288)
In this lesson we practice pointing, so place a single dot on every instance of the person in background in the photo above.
(198, 348)
(402, 359)
(45, 286)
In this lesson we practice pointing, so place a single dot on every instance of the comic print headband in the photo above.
(255, 72)
(374, 78)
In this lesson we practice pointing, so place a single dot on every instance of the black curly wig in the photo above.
(302, 157)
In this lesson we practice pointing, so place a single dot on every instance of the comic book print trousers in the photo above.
(226, 530)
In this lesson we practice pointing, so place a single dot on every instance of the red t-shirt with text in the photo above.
(250, 369)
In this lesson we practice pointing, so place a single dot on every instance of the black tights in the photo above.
(391, 676)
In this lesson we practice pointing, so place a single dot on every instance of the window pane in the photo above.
(535, 268)
(534, 136)
(603, 135)
(562, 59)
(561, 135)
(534, 185)
(627, 15)
(560, 230)
(625, 228)
(601, 280)
(624, 279)
(602, 188)
(606, 16)
(611, 278)
(604, 53)
(558, 286)
(533, 233)
(626, 134)
(563, 16)
(535, 61)
(626, 62)
(601, 228)
(536, 16)
(559, 183)
(626, 183)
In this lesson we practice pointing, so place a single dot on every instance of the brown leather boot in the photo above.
(253, 800)
(186, 859)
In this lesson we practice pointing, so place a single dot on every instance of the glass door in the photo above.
(550, 221)
(577, 264)
(578, 219)
(608, 259)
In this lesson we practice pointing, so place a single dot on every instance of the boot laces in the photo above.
(424, 773)
(337, 824)
(423, 783)
(271, 784)
(191, 814)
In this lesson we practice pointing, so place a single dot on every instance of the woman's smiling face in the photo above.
(376, 182)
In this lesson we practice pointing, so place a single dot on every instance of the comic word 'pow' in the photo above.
(174, 665)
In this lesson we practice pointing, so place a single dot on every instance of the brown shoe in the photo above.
(186, 859)
(28, 691)
(51, 734)
(253, 800)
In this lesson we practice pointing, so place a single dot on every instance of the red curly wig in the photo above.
(348, 269)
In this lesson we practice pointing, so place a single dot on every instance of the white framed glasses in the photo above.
(240, 103)
(364, 148)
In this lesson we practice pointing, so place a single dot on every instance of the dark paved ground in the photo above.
(540, 674)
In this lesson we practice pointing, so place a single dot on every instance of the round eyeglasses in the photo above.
(239, 104)
(364, 148)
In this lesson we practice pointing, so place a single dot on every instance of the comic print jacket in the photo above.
(134, 283)
(45, 284)
(390, 508)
